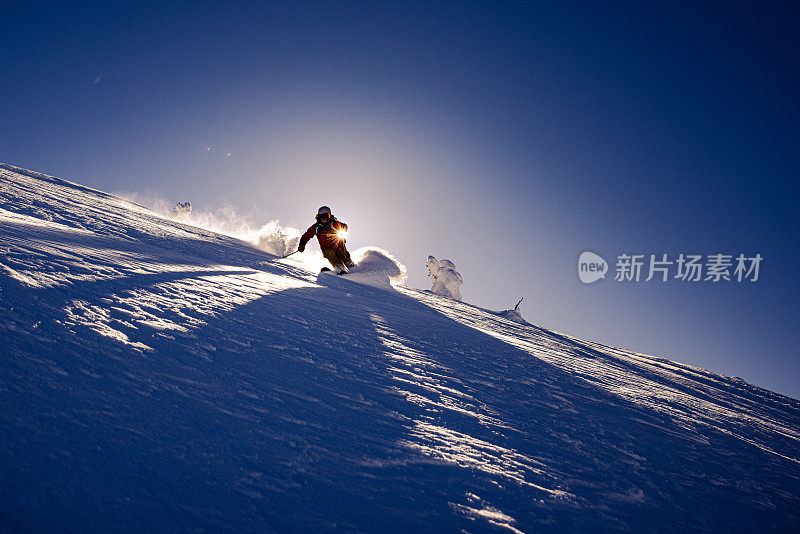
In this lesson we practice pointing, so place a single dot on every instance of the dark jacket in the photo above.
(326, 234)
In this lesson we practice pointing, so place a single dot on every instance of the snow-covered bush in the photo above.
(180, 211)
(446, 280)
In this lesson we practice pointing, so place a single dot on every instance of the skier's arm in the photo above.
(305, 237)
(339, 225)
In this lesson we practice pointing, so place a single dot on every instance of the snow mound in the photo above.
(513, 315)
(446, 280)
(376, 267)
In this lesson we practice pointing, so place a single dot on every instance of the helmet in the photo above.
(324, 215)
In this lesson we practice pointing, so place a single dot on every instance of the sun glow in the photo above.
(341, 234)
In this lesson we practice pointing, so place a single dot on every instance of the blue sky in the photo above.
(508, 138)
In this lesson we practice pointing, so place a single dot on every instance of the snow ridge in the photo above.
(158, 376)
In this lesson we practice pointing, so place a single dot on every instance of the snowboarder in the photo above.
(331, 234)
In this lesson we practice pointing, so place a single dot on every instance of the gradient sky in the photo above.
(507, 138)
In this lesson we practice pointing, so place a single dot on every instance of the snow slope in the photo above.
(158, 377)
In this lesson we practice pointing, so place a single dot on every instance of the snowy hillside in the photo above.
(158, 377)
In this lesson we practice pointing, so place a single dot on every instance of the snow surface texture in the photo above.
(446, 280)
(155, 376)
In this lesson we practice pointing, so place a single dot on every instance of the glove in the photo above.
(301, 248)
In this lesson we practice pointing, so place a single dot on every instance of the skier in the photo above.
(331, 235)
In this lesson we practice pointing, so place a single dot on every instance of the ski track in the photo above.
(157, 376)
